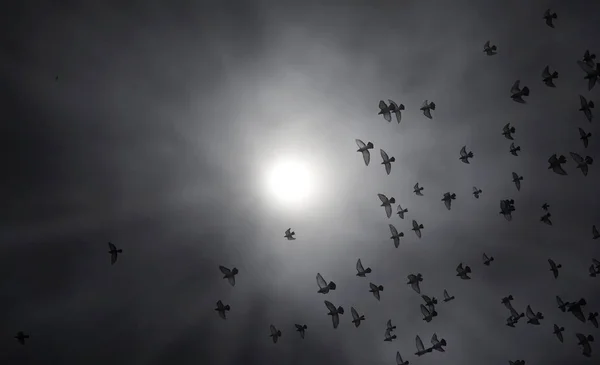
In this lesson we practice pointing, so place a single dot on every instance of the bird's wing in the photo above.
(475, 190)
(592, 82)
(382, 105)
(594, 231)
(387, 116)
(388, 168)
(373, 287)
(416, 187)
(383, 198)
(355, 315)
(359, 266)
(448, 203)
(485, 257)
(506, 128)
(460, 268)
(231, 280)
(577, 158)
(321, 282)
(588, 114)
(586, 68)
(559, 301)
(546, 72)
(360, 143)
(415, 224)
(559, 170)
(515, 176)
(399, 360)
(529, 312)
(388, 210)
(560, 336)
(583, 102)
(582, 133)
(427, 113)
(224, 270)
(518, 184)
(446, 295)
(515, 88)
(273, 330)
(415, 287)
(393, 230)
(393, 104)
(113, 257)
(398, 115)
(418, 233)
(330, 306)
(596, 262)
(487, 44)
(366, 156)
(424, 311)
(384, 155)
(389, 324)
(419, 344)
(335, 318)
(111, 246)
(463, 151)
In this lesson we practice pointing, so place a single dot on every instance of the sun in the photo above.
(290, 181)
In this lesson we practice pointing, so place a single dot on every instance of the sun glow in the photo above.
(290, 181)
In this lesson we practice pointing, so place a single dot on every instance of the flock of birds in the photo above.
(428, 308)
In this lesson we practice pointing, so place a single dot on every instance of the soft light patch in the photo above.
(290, 181)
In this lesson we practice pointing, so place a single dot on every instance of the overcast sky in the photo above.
(166, 117)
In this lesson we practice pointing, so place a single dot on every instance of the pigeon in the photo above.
(489, 50)
(517, 180)
(593, 317)
(387, 204)
(584, 342)
(592, 74)
(447, 296)
(401, 211)
(549, 16)
(585, 137)
(476, 192)
(576, 310)
(362, 272)
(586, 107)
(385, 110)
(399, 360)
(548, 76)
(594, 271)
(582, 163)
(427, 314)
(417, 228)
(388, 336)
(518, 93)
(429, 301)
(364, 149)
(229, 274)
(589, 58)
(507, 131)
(275, 333)
(505, 209)
(487, 260)
(302, 329)
(464, 155)
(389, 325)
(420, 348)
(21, 337)
(545, 206)
(555, 164)
(463, 272)
(546, 219)
(396, 109)
(595, 234)
(387, 161)
(414, 280)
(334, 313)
(558, 332)
(395, 235)
(514, 150)
(356, 318)
(562, 305)
(554, 267)
(438, 344)
(448, 198)
(427, 107)
(289, 234)
(418, 190)
(533, 318)
(114, 253)
(221, 309)
(376, 289)
(324, 287)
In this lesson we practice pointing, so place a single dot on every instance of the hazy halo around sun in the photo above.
(289, 181)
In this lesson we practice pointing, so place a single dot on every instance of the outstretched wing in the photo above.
(393, 230)
(359, 266)
(355, 315)
(446, 295)
(224, 270)
(399, 360)
(515, 88)
(388, 210)
(384, 155)
(529, 312)
(383, 198)
(415, 287)
(111, 246)
(583, 102)
(113, 257)
(366, 156)
(321, 282)
(586, 68)
(330, 306)
(424, 311)
(419, 343)
(360, 143)
(427, 113)
(382, 105)
(335, 318)
(448, 203)
(577, 158)
(463, 151)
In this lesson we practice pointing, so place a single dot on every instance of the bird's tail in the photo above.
(493, 48)
(559, 266)
(554, 74)
(234, 271)
(120, 251)
(362, 318)
(468, 269)
(540, 315)
(590, 338)
(368, 270)
(518, 148)
(332, 285)
(554, 16)
(340, 310)
(589, 160)
(582, 302)
(470, 154)
(305, 327)
(279, 333)
(513, 129)
(454, 195)
(562, 159)
(370, 145)
(432, 105)
(227, 307)
(421, 226)
(525, 91)
(392, 200)
(443, 342)
(393, 159)
(401, 107)
(380, 287)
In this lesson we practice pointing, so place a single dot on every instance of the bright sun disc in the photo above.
(290, 181)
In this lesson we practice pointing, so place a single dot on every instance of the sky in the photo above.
(167, 116)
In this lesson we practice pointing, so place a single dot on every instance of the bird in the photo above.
(554, 267)
(389, 325)
(21, 337)
(476, 192)
(549, 16)
(427, 314)
(385, 110)
(114, 252)
(517, 180)
(517, 92)
(396, 109)
(395, 235)
(221, 309)
(506, 209)
(275, 333)
(289, 234)
(585, 137)
(401, 211)
(302, 329)
(387, 161)
(417, 228)
(586, 107)
(420, 348)
(334, 313)
(413, 281)
(545, 207)
(399, 360)
(592, 74)
(489, 50)
(584, 342)
(582, 163)
(595, 234)
(447, 296)
(387, 204)
(356, 318)
(418, 190)
(533, 318)
(464, 155)
(229, 274)
(427, 107)
(362, 272)
(558, 332)
(463, 272)
(324, 287)
(589, 58)
(577, 310)
(507, 131)
(429, 301)
(514, 150)
(594, 271)
(447, 199)
(593, 317)
(548, 76)
(561, 304)
(389, 336)
(376, 289)
(556, 164)
(546, 219)
(438, 344)
(487, 260)
(364, 149)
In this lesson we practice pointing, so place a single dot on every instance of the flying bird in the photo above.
(21, 337)
(584, 342)
(533, 318)
(399, 360)
(593, 317)
(395, 235)
(558, 332)
(275, 333)
(221, 309)
(514, 150)
(549, 16)
(586, 107)
(420, 348)
(362, 272)
(302, 329)
(561, 304)
(427, 314)
(556, 164)
(554, 267)
(414, 280)
(324, 287)
(507, 131)
(582, 163)
(396, 109)
(447, 199)
(334, 313)
(517, 93)
(517, 180)
(589, 58)
(364, 149)
(229, 274)
(585, 137)
(430, 302)
(401, 211)
(595, 234)
(418, 190)
(577, 310)
(289, 234)
(487, 260)
(114, 253)
(388, 336)
(506, 209)
(387, 204)
(546, 219)
(548, 76)
(385, 110)
(463, 272)
(447, 296)
(464, 155)
(427, 107)
(417, 228)
(356, 318)
(436, 344)
(592, 74)
(376, 289)
(389, 325)
(387, 161)
(476, 192)
(489, 50)
(545, 206)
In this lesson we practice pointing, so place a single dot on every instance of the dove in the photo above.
(376, 289)
(427, 314)
(302, 329)
(476, 192)
(487, 260)
(420, 348)
(546, 219)
(414, 280)
(592, 74)
(221, 309)
(464, 155)
(364, 149)
(548, 77)
(447, 296)
(595, 233)
(388, 336)
(562, 305)
(593, 317)
(401, 211)
(399, 360)
(558, 332)
(389, 325)
(505, 209)
(418, 190)
(429, 301)
(549, 16)
(395, 235)
(289, 234)
(555, 164)
(582, 163)
(229, 274)
(554, 267)
(436, 344)
(396, 109)
(448, 198)
(387, 204)
(21, 337)
(517, 180)
(356, 318)
(507, 131)
(417, 228)
(385, 110)
(275, 333)
(576, 310)
(593, 271)
(334, 313)
(533, 318)
(584, 137)
(489, 50)
(589, 58)
(463, 272)
(114, 253)
(545, 206)
(362, 272)
(586, 107)
(517, 93)
(387, 161)
(324, 287)
(584, 342)
(427, 107)
(513, 150)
